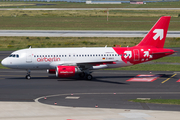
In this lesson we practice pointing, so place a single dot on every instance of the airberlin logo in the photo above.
(48, 59)
(159, 33)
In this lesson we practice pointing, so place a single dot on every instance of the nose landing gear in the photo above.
(28, 76)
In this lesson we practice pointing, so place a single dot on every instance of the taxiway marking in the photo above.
(178, 80)
(69, 97)
(168, 78)
(144, 78)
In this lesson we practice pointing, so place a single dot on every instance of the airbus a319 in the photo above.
(66, 62)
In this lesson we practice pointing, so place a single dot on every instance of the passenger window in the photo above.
(79, 55)
(101, 54)
(59, 55)
(82, 55)
(65, 55)
(104, 54)
(45, 55)
(62, 55)
(48, 55)
(69, 55)
(17, 56)
(107, 54)
(56, 55)
(34, 55)
(13, 55)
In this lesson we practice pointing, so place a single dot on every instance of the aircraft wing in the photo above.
(86, 64)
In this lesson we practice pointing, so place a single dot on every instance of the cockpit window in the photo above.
(14, 55)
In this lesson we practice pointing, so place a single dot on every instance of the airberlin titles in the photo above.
(48, 59)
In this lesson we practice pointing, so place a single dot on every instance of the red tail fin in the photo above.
(157, 35)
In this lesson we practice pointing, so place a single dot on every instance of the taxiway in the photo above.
(80, 33)
(108, 89)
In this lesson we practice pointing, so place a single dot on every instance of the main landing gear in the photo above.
(89, 77)
(28, 76)
(86, 75)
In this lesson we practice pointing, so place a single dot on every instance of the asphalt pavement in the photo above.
(80, 33)
(108, 89)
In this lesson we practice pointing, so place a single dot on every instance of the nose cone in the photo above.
(4, 62)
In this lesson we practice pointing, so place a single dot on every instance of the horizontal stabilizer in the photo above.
(163, 52)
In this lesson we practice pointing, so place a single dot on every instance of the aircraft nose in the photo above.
(4, 62)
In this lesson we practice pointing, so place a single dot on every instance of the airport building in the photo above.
(100, 1)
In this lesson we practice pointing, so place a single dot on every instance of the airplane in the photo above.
(66, 62)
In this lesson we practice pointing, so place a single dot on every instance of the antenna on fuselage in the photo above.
(106, 46)
(29, 47)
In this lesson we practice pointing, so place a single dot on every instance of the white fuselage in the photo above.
(50, 58)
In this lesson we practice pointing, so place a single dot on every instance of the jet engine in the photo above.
(66, 71)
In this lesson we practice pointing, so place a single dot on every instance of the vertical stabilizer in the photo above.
(157, 35)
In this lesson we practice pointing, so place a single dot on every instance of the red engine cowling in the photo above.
(51, 71)
(66, 71)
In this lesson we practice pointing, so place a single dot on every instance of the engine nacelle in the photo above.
(66, 71)
(51, 71)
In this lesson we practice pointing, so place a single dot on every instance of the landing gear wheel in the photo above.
(89, 77)
(28, 77)
(82, 75)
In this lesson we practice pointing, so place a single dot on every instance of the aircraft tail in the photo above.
(157, 35)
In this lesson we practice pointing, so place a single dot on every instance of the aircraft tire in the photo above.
(82, 75)
(89, 77)
(28, 77)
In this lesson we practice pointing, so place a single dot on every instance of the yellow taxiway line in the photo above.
(168, 78)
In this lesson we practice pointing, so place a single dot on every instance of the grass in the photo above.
(150, 67)
(85, 20)
(90, 13)
(83, 5)
(174, 59)
(15, 43)
(159, 101)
